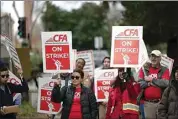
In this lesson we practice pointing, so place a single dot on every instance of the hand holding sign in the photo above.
(19, 71)
(58, 81)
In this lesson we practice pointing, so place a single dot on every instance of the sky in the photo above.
(7, 7)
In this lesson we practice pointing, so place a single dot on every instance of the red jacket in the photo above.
(119, 100)
(129, 98)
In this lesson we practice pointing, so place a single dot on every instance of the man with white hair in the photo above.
(153, 79)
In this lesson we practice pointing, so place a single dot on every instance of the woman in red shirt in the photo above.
(79, 102)
(122, 97)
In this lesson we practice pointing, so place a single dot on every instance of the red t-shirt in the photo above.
(152, 92)
(75, 112)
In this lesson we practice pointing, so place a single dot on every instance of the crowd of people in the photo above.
(154, 95)
(144, 98)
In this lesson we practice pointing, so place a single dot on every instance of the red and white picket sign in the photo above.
(57, 51)
(125, 46)
(14, 80)
(103, 79)
(45, 105)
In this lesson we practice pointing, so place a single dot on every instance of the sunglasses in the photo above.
(3, 76)
(75, 77)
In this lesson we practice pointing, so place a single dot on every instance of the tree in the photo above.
(85, 23)
(159, 19)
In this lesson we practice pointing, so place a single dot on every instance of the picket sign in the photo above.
(45, 105)
(57, 51)
(125, 46)
(102, 82)
(167, 62)
(12, 51)
(143, 55)
(87, 55)
(14, 80)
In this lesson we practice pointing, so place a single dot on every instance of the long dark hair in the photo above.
(118, 82)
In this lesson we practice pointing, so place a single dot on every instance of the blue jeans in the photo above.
(142, 111)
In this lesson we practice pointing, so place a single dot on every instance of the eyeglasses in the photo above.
(75, 77)
(3, 76)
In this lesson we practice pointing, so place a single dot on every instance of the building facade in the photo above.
(7, 25)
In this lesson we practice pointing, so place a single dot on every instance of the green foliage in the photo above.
(26, 110)
(35, 59)
(159, 19)
(85, 23)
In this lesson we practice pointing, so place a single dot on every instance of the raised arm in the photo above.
(133, 89)
(18, 88)
(58, 94)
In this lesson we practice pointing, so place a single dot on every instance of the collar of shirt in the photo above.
(2, 87)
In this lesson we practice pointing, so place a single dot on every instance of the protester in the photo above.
(168, 106)
(153, 79)
(79, 102)
(6, 93)
(122, 97)
(17, 97)
(106, 63)
(80, 63)
(102, 105)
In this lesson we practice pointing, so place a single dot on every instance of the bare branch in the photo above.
(32, 8)
(13, 5)
(38, 15)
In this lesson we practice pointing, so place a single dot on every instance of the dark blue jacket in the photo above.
(6, 97)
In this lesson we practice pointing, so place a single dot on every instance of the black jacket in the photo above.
(66, 95)
(6, 97)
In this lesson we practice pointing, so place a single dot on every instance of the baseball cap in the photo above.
(156, 52)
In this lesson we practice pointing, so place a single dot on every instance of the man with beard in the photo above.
(153, 79)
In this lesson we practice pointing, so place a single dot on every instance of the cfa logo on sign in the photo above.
(49, 85)
(107, 75)
(60, 38)
(129, 32)
(14, 81)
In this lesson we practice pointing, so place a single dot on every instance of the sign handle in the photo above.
(125, 70)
